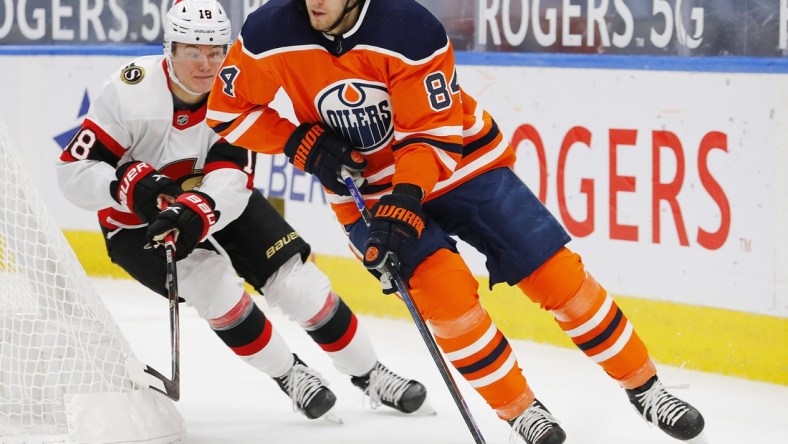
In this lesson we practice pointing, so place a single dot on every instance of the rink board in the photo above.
(673, 199)
(709, 339)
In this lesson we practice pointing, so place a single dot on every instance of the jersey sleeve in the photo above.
(87, 164)
(428, 135)
(229, 177)
(238, 106)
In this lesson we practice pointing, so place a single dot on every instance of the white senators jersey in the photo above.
(137, 118)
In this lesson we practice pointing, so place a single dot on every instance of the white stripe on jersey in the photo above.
(246, 123)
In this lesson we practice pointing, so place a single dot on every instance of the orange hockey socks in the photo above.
(584, 310)
(446, 294)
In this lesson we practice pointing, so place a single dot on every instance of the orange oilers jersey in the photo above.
(388, 85)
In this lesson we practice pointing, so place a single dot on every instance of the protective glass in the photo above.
(201, 54)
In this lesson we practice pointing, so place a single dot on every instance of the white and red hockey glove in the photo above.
(139, 186)
(189, 217)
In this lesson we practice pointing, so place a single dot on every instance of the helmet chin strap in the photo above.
(175, 80)
(346, 10)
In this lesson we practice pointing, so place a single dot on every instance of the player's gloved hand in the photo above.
(316, 149)
(138, 187)
(190, 217)
(397, 222)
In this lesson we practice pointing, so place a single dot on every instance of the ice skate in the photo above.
(386, 387)
(672, 415)
(536, 425)
(308, 391)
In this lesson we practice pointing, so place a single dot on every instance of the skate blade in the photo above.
(700, 439)
(331, 417)
(426, 409)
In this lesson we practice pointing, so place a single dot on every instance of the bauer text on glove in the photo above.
(190, 217)
(138, 187)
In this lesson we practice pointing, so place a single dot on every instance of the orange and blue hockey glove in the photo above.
(316, 149)
(397, 223)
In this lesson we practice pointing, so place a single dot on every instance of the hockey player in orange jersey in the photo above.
(377, 78)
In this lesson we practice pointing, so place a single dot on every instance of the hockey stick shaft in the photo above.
(174, 389)
(146, 375)
(421, 325)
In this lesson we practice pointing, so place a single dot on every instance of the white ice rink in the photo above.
(226, 401)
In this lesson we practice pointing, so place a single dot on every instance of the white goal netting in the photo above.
(59, 346)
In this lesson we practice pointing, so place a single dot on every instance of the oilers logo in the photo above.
(360, 111)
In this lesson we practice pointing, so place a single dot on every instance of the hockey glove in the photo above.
(397, 223)
(190, 217)
(138, 187)
(318, 150)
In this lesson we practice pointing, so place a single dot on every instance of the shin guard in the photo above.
(304, 293)
(595, 323)
(445, 292)
(336, 330)
(252, 337)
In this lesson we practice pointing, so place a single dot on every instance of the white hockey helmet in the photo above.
(198, 22)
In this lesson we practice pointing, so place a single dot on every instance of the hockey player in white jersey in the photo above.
(145, 139)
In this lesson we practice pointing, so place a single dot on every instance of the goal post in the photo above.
(63, 371)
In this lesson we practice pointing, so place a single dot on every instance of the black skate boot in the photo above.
(386, 387)
(672, 415)
(536, 425)
(307, 390)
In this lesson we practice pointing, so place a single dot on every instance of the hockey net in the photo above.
(62, 356)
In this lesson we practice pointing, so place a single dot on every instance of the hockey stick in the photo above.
(145, 374)
(421, 325)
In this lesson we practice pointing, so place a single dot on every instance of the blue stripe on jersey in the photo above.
(450, 147)
(482, 141)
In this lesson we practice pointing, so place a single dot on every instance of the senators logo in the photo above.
(184, 172)
(360, 111)
(132, 74)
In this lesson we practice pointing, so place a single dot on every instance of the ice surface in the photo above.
(224, 400)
